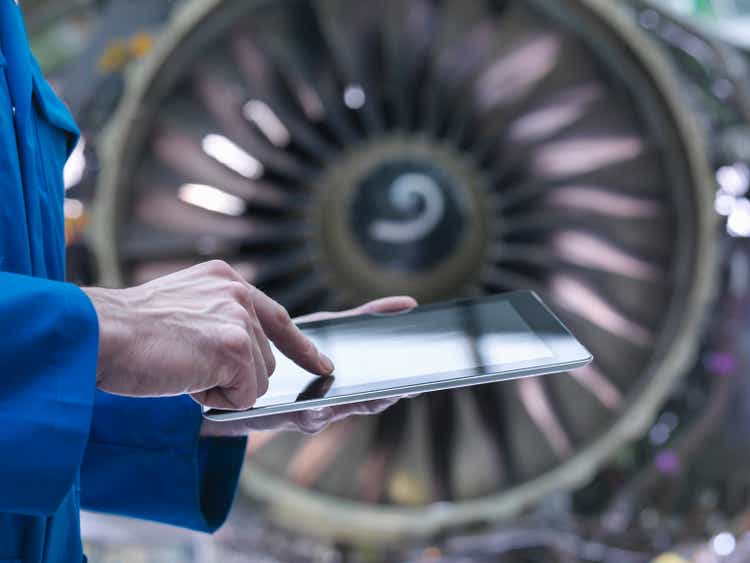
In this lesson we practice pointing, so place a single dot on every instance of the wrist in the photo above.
(114, 333)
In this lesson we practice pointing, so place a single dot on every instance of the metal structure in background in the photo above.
(334, 151)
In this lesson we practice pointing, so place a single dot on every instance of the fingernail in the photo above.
(326, 362)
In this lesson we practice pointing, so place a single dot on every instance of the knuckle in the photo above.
(281, 317)
(220, 267)
(244, 403)
(307, 427)
(245, 393)
(271, 364)
(239, 292)
(234, 340)
(249, 399)
(262, 386)
(313, 422)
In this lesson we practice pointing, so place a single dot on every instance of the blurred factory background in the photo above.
(597, 151)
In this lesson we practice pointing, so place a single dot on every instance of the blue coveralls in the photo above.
(64, 445)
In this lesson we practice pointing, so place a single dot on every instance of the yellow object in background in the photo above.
(120, 52)
(408, 490)
(670, 558)
(141, 43)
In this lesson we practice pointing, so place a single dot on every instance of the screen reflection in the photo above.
(402, 350)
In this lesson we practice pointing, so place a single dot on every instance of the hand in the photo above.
(312, 421)
(202, 331)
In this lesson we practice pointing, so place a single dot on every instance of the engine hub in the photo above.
(402, 215)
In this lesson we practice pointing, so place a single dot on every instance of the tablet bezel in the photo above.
(567, 353)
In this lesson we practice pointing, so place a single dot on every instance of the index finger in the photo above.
(279, 327)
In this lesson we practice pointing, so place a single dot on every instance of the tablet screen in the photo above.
(396, 351)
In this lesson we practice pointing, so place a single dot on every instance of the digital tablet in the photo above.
(429, 348)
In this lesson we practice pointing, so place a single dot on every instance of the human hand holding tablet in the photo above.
(429, 348)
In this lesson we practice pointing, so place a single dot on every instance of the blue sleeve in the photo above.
(48, 353)
(146, 459)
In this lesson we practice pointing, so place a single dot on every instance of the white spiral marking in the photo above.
(405, 193)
